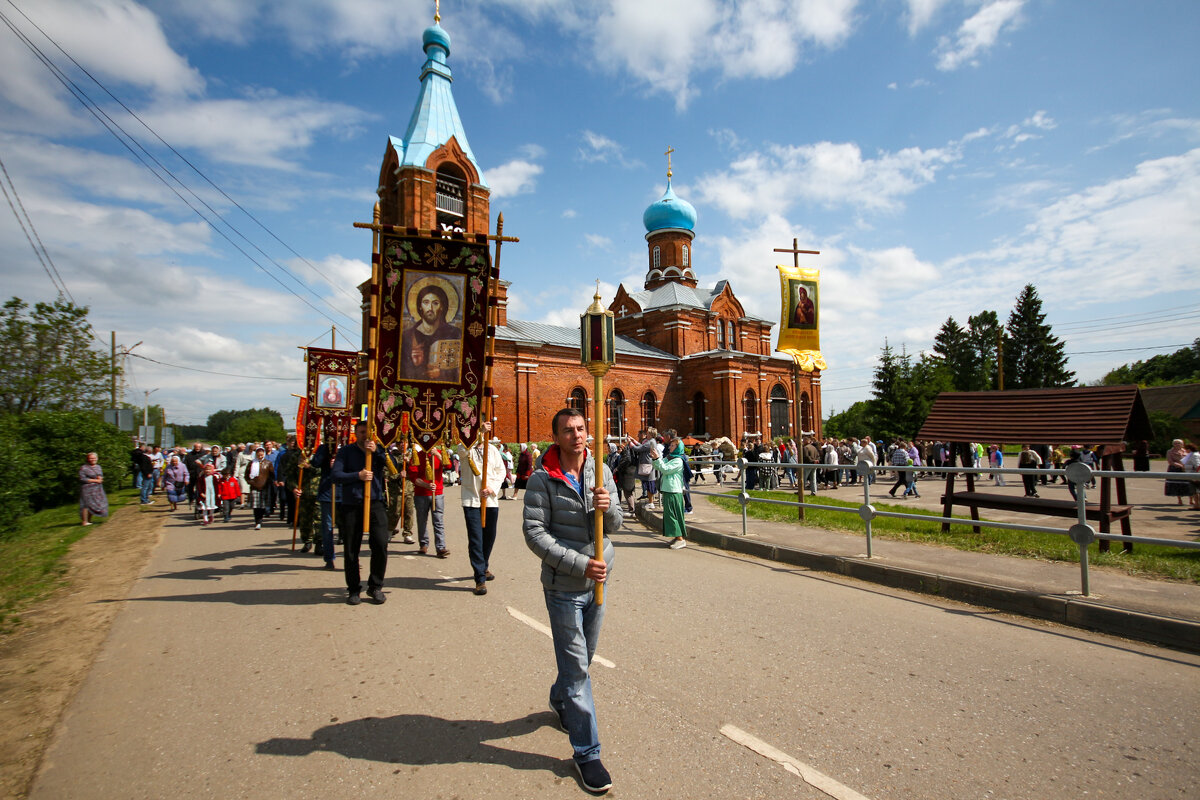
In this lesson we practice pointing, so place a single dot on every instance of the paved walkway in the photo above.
(1034, 581)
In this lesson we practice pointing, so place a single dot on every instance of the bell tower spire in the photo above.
(670, 228)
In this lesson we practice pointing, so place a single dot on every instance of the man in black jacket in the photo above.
(356, 467)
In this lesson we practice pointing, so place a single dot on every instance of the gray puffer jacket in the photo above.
(558, 522)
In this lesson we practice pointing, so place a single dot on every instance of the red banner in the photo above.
(432, 331)
(332, 383)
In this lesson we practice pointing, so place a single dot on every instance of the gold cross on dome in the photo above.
(668, 155)
(437, 10)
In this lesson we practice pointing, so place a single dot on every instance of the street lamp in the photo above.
(597, 339)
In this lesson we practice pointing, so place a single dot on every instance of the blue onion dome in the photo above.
(670, 211)
(435, 34)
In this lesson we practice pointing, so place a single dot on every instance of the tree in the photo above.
(1033, 356)
(251, 425)
(855, 421)
(46, 359)
(984, 332)
(1182, 366)
(953, 347)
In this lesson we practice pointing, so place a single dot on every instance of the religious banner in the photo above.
(799, 323)
(328, 412)
(433, 328)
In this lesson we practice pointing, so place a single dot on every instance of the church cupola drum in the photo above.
(670, 225)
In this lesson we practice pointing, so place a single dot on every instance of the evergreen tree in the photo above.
(954, 349)
(1033, 356)
(984, 332)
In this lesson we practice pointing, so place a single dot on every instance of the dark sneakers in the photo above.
(353, 600)
(594, 776)
(376, 594)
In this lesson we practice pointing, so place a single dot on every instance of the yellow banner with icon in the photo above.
(799, 317)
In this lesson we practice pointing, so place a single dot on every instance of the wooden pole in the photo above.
(488, 400)
(372, 334)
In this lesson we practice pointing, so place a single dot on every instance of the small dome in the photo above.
(435, 34)
(670, 211)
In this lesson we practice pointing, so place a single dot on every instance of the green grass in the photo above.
(32, 555)
(1147, 559)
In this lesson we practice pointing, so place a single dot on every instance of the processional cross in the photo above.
(796, 252)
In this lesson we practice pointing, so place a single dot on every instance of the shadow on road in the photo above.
(419, 739)
(251, 597)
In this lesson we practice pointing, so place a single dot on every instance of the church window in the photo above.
(685, 255)
(616, 413)
(450, 190)
(806, 414)
(699, 414)
(657, 260)
(720, 335)
(729, 336)
(750, 411)
(649, 410)
(578, 400)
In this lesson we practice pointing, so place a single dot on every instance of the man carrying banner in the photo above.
(478, 490)
(356, 467)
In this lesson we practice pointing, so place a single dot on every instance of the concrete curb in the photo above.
(1180, 634)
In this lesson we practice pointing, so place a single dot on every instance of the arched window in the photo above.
(649, 410)
(806, 414)
(699, 414)
(720, 337)
(729, 336)
(656, 262)
(450, 191)
(578, 400)
(781, 423)
(616, 413)
(750, 412)
(685, 255)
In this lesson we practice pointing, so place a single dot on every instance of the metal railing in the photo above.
(1078, 475)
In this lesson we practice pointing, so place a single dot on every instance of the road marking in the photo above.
(812, 777)
(537, 626)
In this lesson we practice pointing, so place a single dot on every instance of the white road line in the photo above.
(812, 777)
(537, 626)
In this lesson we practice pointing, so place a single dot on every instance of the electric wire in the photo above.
(181, 157)
(57, 287)
(209, 371)
(101, 117)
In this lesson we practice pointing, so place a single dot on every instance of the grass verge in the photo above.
(32, 556)
(1146, 559)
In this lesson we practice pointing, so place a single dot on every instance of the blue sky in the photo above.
(940, 154)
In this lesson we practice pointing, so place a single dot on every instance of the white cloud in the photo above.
(515, 177)
(978, 33)
(827, 173)
(597, 241)
(569, 213)
(921, 13)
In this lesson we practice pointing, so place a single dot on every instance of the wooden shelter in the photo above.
(1104, 416)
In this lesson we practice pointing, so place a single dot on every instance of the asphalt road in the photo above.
(235, 670)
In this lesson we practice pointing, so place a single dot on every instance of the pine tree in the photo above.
(984, 332)
(1033, 356)
(953, 348)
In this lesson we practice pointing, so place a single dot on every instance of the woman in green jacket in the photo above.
(670, 487)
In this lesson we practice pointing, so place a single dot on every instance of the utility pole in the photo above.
(114, 368)
(1000, 357)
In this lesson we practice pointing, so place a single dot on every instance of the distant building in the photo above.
(688, 358)
(1181, 401)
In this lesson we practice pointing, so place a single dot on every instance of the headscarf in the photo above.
(256, 463)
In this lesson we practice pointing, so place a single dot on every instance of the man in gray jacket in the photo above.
(560, 500)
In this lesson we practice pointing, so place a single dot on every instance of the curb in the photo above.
(1180, 634)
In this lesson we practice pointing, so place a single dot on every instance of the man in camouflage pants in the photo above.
(304, 489)
(400, 493)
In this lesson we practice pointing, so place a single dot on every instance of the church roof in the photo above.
(676, 294)
(518, 330)
(435, 118)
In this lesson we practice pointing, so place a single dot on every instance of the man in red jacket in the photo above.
(425, 472)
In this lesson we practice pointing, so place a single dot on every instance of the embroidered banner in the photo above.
(433, 327)
(332, 380)
(799, 316)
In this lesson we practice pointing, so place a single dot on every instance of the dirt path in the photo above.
(43, 662)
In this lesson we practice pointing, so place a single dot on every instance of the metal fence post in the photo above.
(1081, 533)
(743, 496)
(867, 511)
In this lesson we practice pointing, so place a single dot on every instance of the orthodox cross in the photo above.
(428, 402)
(796, 252)
(668, 155)
(437, 10)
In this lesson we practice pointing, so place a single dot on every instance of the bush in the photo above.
(40, 456)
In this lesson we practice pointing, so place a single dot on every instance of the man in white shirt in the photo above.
(477, 489)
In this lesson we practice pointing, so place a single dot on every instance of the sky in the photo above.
(940, 154)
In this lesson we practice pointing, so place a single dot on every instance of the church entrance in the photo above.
(780, 418)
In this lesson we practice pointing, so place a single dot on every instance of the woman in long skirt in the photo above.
(208, 493)
(175, 481)
(92, 500)
(670, 469)
(1177, 489)
(259, 475)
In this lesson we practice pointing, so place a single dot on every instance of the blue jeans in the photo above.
(424, 506)
(480, 540)
(147, 488)
(575, 622)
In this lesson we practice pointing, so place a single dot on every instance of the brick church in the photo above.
(688, 357)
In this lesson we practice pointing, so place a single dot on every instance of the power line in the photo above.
(209, 371)
(109, 124)
(181, 157)
(43, 255)
(1129, 349)
(1138, 315)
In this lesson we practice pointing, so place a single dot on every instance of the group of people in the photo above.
(1183, 457)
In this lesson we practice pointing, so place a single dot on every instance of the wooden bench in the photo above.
(1036, 505)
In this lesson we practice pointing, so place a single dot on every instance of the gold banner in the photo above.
(799, 316)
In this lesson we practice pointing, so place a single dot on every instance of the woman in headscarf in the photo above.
(92, 500)
(259, 474)
(524, 468)
(175, 479)
(670, 488)
(1177, 489)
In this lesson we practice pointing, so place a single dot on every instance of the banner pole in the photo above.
(488, 399)
(372, 344)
